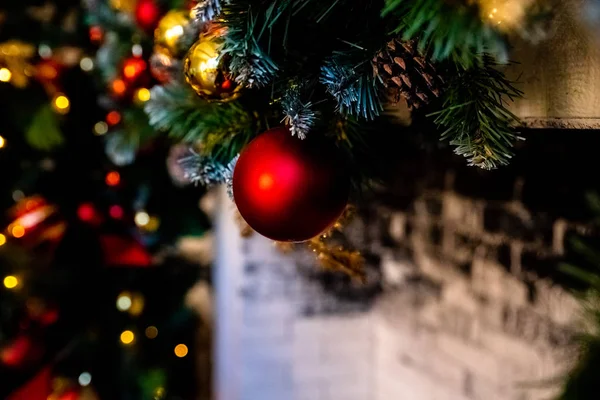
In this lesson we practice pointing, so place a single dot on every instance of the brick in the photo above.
(497, 219)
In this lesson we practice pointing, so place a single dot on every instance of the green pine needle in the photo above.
(176, 109)
(474, 117)
(449, 32)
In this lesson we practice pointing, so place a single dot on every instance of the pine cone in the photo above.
(406, 73)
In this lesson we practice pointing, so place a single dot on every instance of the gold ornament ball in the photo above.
(207, 74)
(169, 30)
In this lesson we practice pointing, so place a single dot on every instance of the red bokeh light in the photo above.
(86, 212)
(113, 178)
(116, 211)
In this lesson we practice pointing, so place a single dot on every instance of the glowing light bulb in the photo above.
(124, 302)
(141, 218)
(113, 178)
(100, 128)
(2, 142)
(143, 95)
(11, 282)
(17, 231)
(5, 75)
(2, 239)
(181, 350)
(127, 337)
(86, 64)
(61, 104)
(85, 378)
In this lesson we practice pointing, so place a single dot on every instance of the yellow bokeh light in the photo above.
(2, 142)
(2, 239)
(127, 337)
(151, 332)
(141, 218)
(143, 95)
(5, 75)
(11, 282)
(100, 128)
(17, 231)
(181, 350)
(61, 104)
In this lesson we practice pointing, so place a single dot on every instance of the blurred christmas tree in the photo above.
(92, 301)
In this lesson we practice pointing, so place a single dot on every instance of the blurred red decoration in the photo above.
(21, 352)
(47, 72)
(36, 221)
(86, 212)
(113, 178)
(123, 251)
(289, 189)
(38, 388)
(133, 69)
(118, 88)
(113, 117)
(39, 311)
(96, 34)
(116, 211)
(69, 395)
(147, 14)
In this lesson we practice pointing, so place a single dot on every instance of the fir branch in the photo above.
(176, 109)
(204, 170)
(475, 118)
(251, 66)
(449, 31)
(44, 132)
(299, 115)
(353, 86)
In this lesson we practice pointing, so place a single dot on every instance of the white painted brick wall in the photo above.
(411, 344)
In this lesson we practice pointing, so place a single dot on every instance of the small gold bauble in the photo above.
(169, 30)
(207, 74)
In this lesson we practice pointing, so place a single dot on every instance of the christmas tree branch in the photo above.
(474, 115)
(175, 109)
(353, 86)
(448, 31)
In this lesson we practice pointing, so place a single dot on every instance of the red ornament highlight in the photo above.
(289, 189)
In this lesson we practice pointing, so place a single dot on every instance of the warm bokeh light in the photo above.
(11, 282)
(137, 304)
(181, 350)
(100, 128)
(5, 75)
(124, 301)
(151, 332)
(86, 64)
(17, 231)
(116, 211)
(119, 87)
(113, 117)
(2, 142)
(113, 178)
(61, 104)
(141, 218)
(86, 212)
(130, 71)
(96, 34)
(143, 95)
(2, 239)
(127, 337)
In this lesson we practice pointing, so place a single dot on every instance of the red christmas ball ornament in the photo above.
(147, 14)
(289, 189)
